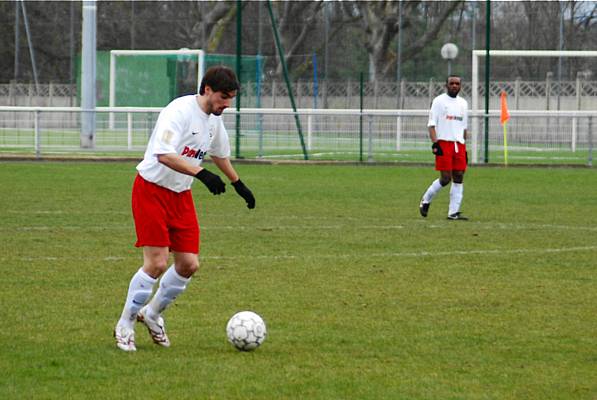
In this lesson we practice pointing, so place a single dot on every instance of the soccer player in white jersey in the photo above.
(165, 220)
(447, 126)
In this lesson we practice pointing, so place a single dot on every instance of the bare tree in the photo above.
(380, 25)
(361, 33)
(205, 24)
(295, 20)
(516, 18)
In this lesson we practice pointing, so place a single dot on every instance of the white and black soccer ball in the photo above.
(246, 330)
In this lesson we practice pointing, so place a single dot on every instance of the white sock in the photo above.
(171, 285)
(140, 290)
(432, 190)
(455, 197)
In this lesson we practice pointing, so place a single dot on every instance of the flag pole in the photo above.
(504, 118)
(505, 144)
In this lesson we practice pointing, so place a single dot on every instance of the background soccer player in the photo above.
(447, 130)
(165, 220)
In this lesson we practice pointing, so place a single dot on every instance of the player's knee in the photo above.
(458, 178)
(193, 267)
(189, 267)
(156, 267)
(444, 181)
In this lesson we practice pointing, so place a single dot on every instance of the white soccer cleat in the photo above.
(125, 338)
(155, 327)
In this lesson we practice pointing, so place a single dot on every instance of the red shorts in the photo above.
(164, 218)
(454, 157)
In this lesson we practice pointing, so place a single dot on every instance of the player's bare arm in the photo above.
(179, 164)
(224, 165)
(432, 134)
(435, 147)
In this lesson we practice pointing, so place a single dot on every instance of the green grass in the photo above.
(421, 156)
(363, 298)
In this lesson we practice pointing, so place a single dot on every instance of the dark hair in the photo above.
(220, 79)
(453, 76)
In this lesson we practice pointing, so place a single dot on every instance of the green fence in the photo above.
(154, 80)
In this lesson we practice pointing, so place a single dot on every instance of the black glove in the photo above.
(436, 149)
(212, 181)
(245, 193)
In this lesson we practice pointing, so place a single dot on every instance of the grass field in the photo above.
(421, 156)
(363, 298)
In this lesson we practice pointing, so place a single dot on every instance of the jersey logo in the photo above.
(193, 153)
(454, 117)
(167, 136)
(194, 133)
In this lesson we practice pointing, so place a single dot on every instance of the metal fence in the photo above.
(548, 94)
(533, 137)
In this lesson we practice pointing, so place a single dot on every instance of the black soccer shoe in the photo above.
(457, 216)
(424, 208)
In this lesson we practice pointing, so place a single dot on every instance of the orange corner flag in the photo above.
(505, 115)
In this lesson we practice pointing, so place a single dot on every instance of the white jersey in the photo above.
(449, 115)
(182, 128)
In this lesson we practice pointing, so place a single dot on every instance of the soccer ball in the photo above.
(246, 330)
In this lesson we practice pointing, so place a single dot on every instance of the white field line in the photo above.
(63, 212)
(418, 254)
(487, 251)
(415, 254)
(340, 226)
(203, 228)
(418, 223)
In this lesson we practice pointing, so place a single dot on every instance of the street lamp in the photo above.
(449, 52)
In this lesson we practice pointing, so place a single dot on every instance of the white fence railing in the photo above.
(343, 134)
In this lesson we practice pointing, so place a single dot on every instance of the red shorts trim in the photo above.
(454, 157)
(164, 218)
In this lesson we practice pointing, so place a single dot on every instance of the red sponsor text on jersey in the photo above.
(193, 153)
(453, 117)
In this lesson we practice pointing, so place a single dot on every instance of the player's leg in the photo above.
(456, 194)
(184, 239)
(172, 284)
(155, 260)
(151, 229)
(443, 164)
(457, 188)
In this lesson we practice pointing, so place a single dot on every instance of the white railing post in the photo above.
(309, 131)
(260, 129)
(398, 132)
(37, 139)
(578, 106)
(590, 140)
(129, 130)
(370, 140)
(574, 130)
